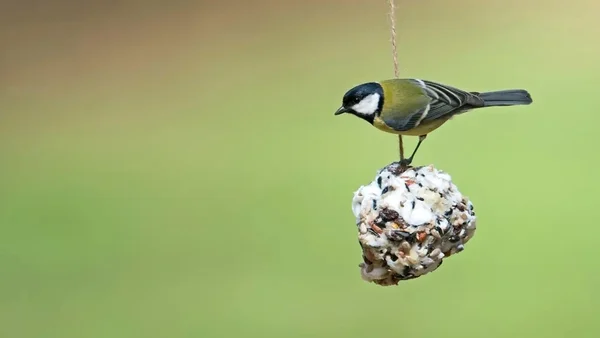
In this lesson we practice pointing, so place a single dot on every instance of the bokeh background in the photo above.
(174, 169)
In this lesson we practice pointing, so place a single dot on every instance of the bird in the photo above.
(415, 107)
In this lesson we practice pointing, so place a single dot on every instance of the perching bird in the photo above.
(416, 107)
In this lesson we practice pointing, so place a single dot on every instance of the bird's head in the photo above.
(364, 101)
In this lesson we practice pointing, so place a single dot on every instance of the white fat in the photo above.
(368, 105)
(421, 214)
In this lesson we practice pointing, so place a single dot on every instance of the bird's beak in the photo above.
(341, 111)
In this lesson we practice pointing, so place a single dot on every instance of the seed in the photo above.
(385, 190)
(388, 214)
(435, 253)
(405, 246)
(362, 228)
(426, 261)
(401, 222)
(421, 236)
(376, 229)
(436, 234)
(379, 182)
(398, 235)
(412, 237)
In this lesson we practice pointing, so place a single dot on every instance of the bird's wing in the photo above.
(407, 104)
(405, 122)
(447, 100)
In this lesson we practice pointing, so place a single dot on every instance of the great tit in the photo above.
(416, 107)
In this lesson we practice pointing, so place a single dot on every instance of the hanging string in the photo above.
(395, 58)
(393, 31)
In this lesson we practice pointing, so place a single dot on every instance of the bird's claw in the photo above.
(405, 162)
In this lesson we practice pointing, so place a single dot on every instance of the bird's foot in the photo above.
(405, 162)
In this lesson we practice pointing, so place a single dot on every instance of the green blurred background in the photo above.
(171, 169)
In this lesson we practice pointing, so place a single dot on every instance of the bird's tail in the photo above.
(509, 97)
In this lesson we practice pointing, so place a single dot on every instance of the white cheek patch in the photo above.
(368, 105)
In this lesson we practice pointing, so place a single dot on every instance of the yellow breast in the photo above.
(422, 129)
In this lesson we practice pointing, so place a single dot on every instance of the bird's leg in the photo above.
(401, 147)
(406, 162)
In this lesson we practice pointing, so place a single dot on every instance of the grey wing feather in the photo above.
(404, 123)
(448, 100)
